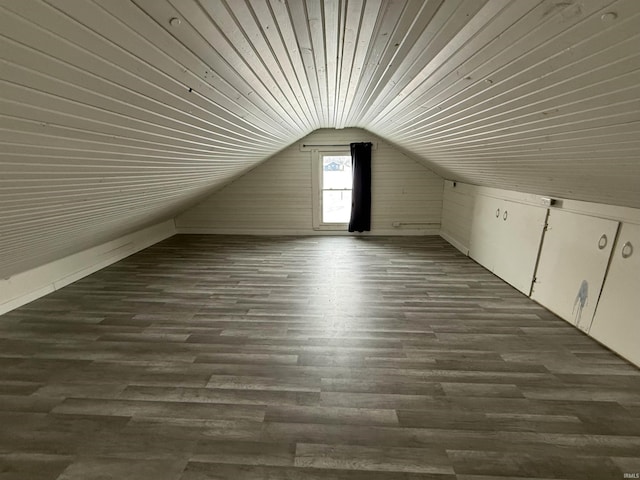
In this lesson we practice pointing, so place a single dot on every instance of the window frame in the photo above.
(317, 178)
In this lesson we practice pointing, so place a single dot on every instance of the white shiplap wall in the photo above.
(276, 196)
(29, 285)
(114, 117)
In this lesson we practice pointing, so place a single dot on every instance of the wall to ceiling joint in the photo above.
(276, 197)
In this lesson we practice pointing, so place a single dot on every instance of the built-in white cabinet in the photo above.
(586, 265)
(485, 231)
(617, 319)
(505, 238)
(572, 266)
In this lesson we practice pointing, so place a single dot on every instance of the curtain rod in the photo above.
(325, 145)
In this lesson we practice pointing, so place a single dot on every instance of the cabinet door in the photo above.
(617, 320)
(520, 235)
(573, 262)
(485, 231)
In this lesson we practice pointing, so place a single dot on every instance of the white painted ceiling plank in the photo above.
(402, 41)
(80, 46)
(315, 21)
(244, 57)
(204, 70)
(282, 20)
(296, 14)
(388, 22)
(521, 78)
(365, 33)
(444, 45)
(113, 117)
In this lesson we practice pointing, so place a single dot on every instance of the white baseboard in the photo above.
(25, 287)
(455, 243)
(300, 233)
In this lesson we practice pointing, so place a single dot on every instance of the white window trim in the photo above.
(316, 190)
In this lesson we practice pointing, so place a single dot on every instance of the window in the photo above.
(336, 189)
(332, 190)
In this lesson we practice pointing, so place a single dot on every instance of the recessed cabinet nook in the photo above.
(584, 268)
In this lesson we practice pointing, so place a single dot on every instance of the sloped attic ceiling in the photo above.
(116, 114)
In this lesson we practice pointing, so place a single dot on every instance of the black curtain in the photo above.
(361, 194)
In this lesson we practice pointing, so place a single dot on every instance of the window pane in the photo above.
(336, 172)
(336, 206)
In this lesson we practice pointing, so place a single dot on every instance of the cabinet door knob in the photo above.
(497, 213)
(627, 250)
(602, 243)
(506, 214)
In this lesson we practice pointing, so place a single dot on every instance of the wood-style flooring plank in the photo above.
(307, 358)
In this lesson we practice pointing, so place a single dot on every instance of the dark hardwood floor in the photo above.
(215, 357)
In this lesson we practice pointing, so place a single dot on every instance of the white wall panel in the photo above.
(617, 320)
(458, 203)
(486, 231)
(276, 196)
(505, 238)
(32, 284)
(573, 262)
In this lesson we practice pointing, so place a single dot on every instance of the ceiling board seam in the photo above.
(455, 107)
(119, 68)
(493, 74)
(250, 139)
(485, 118)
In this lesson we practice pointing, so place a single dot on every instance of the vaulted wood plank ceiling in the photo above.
(116, 114)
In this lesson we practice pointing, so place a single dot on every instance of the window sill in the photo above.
(332, 226)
